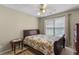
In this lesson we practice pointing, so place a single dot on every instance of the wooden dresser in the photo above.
(77, 39)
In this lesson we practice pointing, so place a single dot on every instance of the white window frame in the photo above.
(54, 24)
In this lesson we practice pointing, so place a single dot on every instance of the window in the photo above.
(55, 26)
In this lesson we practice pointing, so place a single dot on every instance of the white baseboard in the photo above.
(1, 53)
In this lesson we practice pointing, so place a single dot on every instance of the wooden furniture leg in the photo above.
(22, 45)
(14, 47)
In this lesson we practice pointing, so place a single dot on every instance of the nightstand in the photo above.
(15, 43)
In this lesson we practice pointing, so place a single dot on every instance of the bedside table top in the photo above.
(16, 40)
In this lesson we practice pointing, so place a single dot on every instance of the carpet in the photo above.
(24, 51)
(29, 51)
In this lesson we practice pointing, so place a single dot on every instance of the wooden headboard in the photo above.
(30, 32)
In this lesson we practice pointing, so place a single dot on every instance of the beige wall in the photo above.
(72, 17)
(74, 20)
(11, 25)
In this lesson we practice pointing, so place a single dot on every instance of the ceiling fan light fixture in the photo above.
(42, 9)
(40, 13)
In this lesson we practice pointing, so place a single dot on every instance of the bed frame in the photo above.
(58, 45)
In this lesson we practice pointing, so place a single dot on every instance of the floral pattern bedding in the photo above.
(41, 43)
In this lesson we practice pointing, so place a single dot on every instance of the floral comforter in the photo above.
(41, 43)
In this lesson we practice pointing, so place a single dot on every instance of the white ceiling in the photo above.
(33, 9)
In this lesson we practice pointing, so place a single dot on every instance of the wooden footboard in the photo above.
(59, 45)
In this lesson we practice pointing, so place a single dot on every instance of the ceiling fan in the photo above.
(42, 9)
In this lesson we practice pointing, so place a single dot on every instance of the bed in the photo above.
(41, 43)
